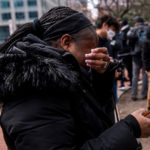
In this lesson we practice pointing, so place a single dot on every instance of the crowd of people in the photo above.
(125, 44)
(57, 83)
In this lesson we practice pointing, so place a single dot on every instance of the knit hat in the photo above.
(124, 22)
(139, 19)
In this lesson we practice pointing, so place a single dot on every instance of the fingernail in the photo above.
(92, 50)
(86, 61)
(88, 65)
(86, 55)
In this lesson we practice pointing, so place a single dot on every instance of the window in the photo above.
(18, 3)
(33, 14)
(32, 3)
(20, 16)
(4, 32)
(4, 4)
(6, 16)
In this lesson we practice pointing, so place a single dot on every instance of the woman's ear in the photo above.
(65, 41)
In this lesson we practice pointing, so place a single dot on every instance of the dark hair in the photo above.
(99, 22)
(139, 19)
(109, 20)
(124, 22)
(51, 17)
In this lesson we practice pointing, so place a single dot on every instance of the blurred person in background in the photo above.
(107, 28)
(136, 37)
(125, 50)
(46, 85)
(113, 36)
(115, 44)
(146, 60)
(102, 28)
(146, 50)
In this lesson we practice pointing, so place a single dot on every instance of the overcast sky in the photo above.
(90, 7)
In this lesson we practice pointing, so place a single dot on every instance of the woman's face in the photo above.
(83, 44)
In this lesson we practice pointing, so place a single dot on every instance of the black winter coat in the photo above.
(124, 40)
(102, 42)
(50, 103)
(146, 54)
(116, 45)
(133, 36)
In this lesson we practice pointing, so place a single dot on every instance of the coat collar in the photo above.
(32, 64)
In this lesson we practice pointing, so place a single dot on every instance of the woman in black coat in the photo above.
(57, 94)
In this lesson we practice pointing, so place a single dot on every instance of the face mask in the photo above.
(110, 34)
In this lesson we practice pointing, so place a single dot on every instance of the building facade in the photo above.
(16, 12)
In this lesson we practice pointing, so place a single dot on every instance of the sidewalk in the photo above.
(120, 92)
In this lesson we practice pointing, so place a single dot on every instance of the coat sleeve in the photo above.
(121, 136)
(118, 137)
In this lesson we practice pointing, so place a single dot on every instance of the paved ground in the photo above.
(126, 106)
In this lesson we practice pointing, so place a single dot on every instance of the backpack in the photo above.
(141, 35)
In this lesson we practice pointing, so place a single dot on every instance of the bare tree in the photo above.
(76, 5)
(120, 8)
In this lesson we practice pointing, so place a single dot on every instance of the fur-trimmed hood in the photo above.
(32, 64)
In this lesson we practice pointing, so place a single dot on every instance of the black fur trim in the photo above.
(19, 68)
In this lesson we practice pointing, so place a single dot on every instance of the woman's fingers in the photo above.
(143, 121)
(100, 50)
(97, 56)
(101, 63)
(98, 59)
